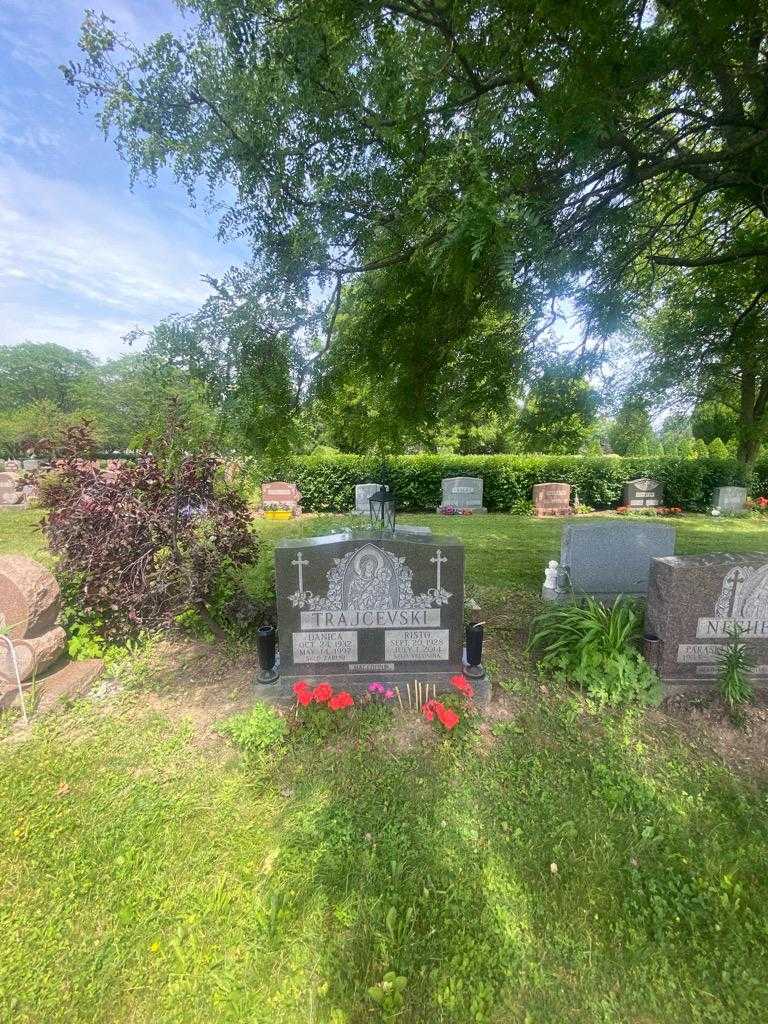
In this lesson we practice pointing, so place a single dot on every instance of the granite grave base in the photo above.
(281, 693)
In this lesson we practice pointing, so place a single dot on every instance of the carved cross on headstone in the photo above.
(300, 563)
(738, 578)
(438, 559)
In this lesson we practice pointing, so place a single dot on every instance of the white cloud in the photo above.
(68, 254)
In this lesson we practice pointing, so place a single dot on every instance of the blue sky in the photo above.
(83, 259)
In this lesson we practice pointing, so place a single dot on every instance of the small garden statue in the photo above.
(549, 589)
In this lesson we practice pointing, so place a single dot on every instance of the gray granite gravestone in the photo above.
(730, 499)
(608, 559)
(642, 493)
(30, 465)
(463, 492)
(694, 604)
(360, 607)
(363, 495)
(551, 499)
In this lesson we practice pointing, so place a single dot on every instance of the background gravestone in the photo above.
(694, 601)
(608, 559)
(642, 493)
(363, 494)
(730, 499)
(463, 492)
(552, 499)
(283, 493)
(358, 607)
(10, 493)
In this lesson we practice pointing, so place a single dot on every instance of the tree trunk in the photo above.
(753, 420)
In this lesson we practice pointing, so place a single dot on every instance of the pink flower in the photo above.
(389, 694)
(375, 688)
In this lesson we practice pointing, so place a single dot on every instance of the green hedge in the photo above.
(327, 482)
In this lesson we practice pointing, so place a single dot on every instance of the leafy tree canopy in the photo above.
(32, 372)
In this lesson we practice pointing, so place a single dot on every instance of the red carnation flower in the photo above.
(322, 692)
(299, 686)
(447, 716)
(463, 686)
(304, 697)
(428, 710)
(341, 700)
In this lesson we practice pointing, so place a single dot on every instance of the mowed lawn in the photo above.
(548, 866)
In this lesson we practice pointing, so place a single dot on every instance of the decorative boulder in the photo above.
(30, 599)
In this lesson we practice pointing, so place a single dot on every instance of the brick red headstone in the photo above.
(277, 490)
(552, 500)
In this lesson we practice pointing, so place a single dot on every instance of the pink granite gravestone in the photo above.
(287, 495)
(10, 492)
(30, 599)
(552, 500)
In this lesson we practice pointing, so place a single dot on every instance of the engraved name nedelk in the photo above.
(359, 602)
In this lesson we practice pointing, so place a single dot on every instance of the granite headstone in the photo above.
(642, 493)
(359, 606)
(694, 604)
(10, 492)
(608, 559)
(552, 499)
(281, 493)
(463, 492)
(363, 495)
(730, 499)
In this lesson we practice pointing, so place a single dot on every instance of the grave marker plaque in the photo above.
(730, 499)
(282, 493)
(463, 492)
(642, 493)
(363, 494)
(608, 559)
(694, 604)
(552, 500)
(358, 607)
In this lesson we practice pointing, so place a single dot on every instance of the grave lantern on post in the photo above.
(382, 506)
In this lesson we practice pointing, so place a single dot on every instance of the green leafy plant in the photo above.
(388, 993)
(594, 646)
(256, 731)
(734, 664)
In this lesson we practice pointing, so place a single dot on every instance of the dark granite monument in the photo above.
(462, 492)
(360, 606)
(729, 499)
(642, 493)
(608, 559)
(694, 603)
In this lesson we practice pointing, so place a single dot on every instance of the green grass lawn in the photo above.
(20, 535)
(546, 867)
(147, 880)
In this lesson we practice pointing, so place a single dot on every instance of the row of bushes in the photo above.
(327, 482)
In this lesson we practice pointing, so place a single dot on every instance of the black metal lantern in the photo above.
(382, 506)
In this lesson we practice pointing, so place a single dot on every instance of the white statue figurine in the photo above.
(550, 575)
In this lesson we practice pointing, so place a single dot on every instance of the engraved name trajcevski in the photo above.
(369, 588)
(742, 604)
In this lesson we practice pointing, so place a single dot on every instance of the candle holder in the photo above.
(474, 649)
(266, 643)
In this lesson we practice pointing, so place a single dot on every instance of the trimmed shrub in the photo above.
(327, 482)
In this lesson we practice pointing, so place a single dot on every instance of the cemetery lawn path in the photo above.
(547, 867)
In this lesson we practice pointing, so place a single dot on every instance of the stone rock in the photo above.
(33, 655)
(282, 493)
(30, 599)
(73, 680)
